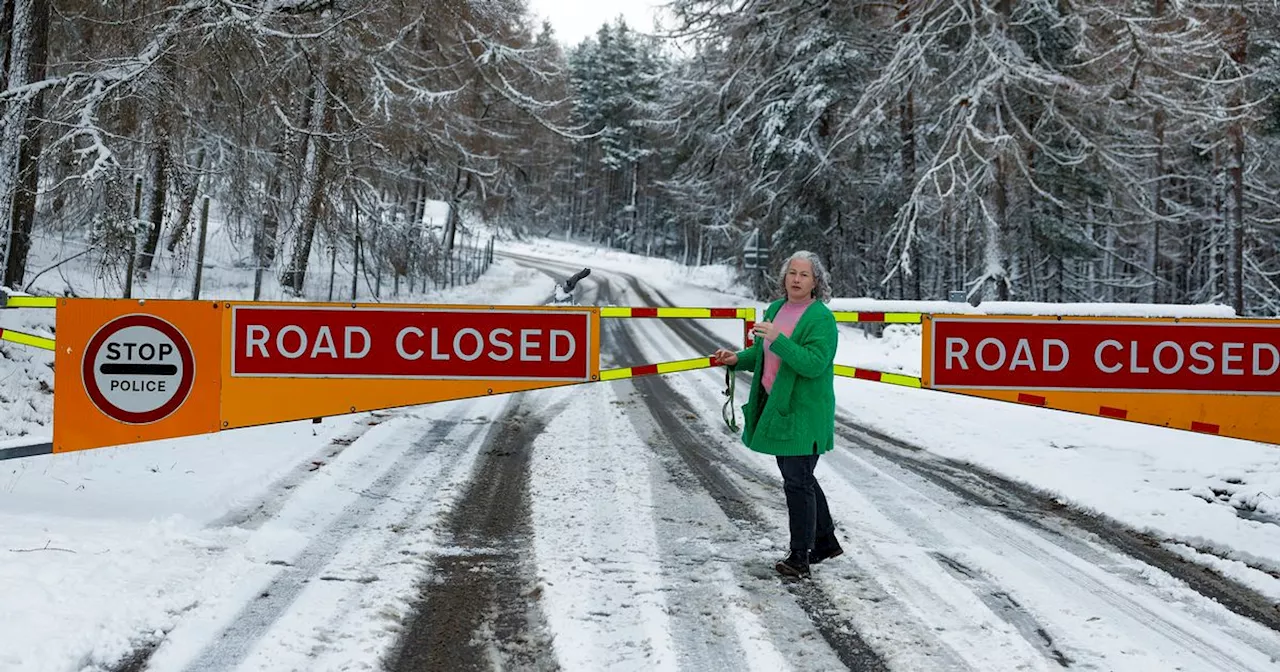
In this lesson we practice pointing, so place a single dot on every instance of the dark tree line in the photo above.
(316, 127)
(1035, 150)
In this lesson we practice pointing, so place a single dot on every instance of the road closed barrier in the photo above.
(129, 371)
(1219, 376)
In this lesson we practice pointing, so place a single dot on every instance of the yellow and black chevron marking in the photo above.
(684, 313)
(30, 340)
(877, 376)
(7, 301)
(664, 367)
(887, 318)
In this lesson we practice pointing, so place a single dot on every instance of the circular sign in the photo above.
(138, 369)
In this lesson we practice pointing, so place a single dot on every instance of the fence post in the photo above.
(133, 235)
(355, 265)
(333, 265)
(377, 265)
(204, 233)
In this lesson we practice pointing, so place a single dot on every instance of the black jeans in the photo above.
(806, 505)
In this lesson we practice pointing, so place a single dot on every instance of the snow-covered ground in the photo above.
(176, 538)
(98, 547)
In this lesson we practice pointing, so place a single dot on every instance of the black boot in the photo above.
(794, 565)
(825, 552)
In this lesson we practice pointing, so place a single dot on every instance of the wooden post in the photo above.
(257, 259)
(355, 259)
(377, 265)
(133, 236)
(204, 233)
(333, 265)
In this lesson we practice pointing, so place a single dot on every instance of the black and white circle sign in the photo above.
(138, 369)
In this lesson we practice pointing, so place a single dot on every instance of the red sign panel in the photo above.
(1105, 355)
(286, 342)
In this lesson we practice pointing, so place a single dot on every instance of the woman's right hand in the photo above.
(727, 357)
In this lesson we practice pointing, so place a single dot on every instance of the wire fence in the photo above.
(67, 265)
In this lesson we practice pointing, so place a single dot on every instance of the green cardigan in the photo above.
(802, 408)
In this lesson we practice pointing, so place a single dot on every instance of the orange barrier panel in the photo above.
(130, 371)
(1218, 376)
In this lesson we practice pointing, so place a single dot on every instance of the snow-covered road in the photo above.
(614, 526)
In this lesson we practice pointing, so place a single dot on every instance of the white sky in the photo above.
(575, 20)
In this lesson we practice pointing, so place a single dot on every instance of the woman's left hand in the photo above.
(766, 330)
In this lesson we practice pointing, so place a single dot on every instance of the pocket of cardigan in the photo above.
(781, 427)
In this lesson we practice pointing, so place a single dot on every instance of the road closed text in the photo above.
(415, 343)
(1106, 355)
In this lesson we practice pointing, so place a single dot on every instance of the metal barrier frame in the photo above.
(747, 315)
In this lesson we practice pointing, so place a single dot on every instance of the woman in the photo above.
(791, 410)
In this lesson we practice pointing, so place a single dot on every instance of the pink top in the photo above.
(786, 319)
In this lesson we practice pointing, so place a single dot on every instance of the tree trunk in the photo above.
(1237, 215)
(24, 205)
(189, 193)
(133, 237)
(376, 254)
(156, 202)
(311, 196)
(906, 112)
(1153, 258)
(993, 256)
(633, 207)
(14, 122)
(264, 239)
(1238, 46)
(1218, 244)
(200, 247)
(6, 38)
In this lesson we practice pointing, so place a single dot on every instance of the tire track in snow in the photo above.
(257, 617)
(1004, 606)
(1018, 501)
(251, 516)
(353, 612)
(477, 610)
(1039, 544)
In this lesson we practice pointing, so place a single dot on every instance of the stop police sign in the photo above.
(138, 369)
(1111, 355)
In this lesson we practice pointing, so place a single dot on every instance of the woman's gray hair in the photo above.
(821, 278)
